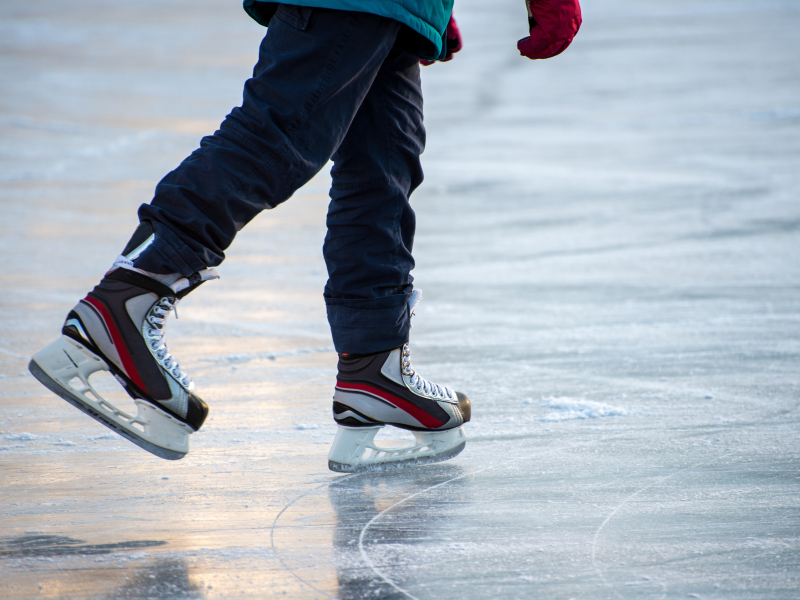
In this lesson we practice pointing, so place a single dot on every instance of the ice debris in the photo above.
(566, 409)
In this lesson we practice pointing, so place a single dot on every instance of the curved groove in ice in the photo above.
(365, 557)
(611, 515)
(363, 533)
(283, 510)
(494, 465)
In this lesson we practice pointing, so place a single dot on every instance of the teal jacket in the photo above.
(427, 17)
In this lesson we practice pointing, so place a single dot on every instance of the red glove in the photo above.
(452, 40)
(553, 25)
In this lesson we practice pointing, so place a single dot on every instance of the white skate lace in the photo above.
(426, 387)
(155, 338)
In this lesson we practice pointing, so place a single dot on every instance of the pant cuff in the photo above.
(363, 326)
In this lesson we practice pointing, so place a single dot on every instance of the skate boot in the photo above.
(119, 327)
(383, 389)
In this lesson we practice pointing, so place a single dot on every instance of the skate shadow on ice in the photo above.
(384, 521)
(51, 546)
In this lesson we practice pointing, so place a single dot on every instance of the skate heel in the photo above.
(354, 449)
(64, 367)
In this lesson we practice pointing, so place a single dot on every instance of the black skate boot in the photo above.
(119, 327)
(383, 389)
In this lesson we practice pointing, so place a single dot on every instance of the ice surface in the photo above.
(609, 244)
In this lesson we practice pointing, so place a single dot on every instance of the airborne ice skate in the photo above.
(383, 389)
(119, 327)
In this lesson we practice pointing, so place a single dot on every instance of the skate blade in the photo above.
(354, 450)
(64, 362)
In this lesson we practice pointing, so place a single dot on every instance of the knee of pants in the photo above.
(398, 174)
(375, 216)
(388, 159)
(368, 245)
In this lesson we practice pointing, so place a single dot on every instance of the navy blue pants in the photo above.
(328, 84)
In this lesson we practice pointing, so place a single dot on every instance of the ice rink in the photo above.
(609, 247)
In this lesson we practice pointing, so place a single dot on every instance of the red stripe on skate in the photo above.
(420, 415)
(119, 344)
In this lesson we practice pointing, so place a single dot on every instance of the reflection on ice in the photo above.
(377, 514)
(166, 579)
(64, 567)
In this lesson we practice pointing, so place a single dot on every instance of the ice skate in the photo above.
(383, 389)
(119, 327)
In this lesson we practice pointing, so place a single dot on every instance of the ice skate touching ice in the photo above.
(119, 327)
(384, 389)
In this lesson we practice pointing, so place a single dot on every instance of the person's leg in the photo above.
(370, 221)
(315, 67)
(369, 292)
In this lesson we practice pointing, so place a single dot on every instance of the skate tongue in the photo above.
(124, 262)
(184, 283)
(175, 281)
